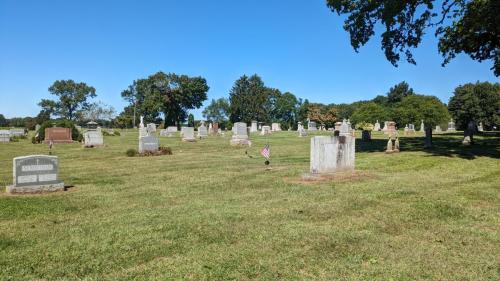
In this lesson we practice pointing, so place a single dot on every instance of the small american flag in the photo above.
(266, 151)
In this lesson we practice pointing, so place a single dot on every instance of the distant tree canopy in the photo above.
(369, 113)
(217, 110)
(169, 94)
(462, 26)
(3, 121)
(323, 114)
(72, 98)
(415, 108)
(478, 102)
(398, 92)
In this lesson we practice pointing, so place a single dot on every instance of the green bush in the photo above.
(117, 133)
(131, 152)
(165, 150)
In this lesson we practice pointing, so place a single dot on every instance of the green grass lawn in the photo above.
(210, 212)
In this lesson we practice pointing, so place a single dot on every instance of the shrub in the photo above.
(165, 150)
(33, 140)
(131, 152)
(117, 133)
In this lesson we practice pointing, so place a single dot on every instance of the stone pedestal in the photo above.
(330, 154)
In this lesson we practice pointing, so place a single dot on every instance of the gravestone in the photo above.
(392, 145)
(4, 136)
(480, 127)
(216, 128)
(276, 127)
(93, 138)
(376, 128)
(386, 124)
(151, 128)
(143, 132)
(438, 129)
(390, 128)
(37, 128)
(172, 129)
(311, 126)
(451, 126)
(148, 144)
(240, 134)
(302, 132)
(330, 154)
(165, 133)
(202, 131)
(299, 126)
(188, 134)
(266, 130)
(422, 127)
(16, 132)
(210, 129)
(337, 126)
(253, 127)
(35, 173)
(58, 135)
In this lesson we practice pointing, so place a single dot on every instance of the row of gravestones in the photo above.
(5, 135)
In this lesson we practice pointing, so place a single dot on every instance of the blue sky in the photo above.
(294, 45)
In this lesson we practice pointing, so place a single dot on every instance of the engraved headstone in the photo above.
(240, 134)
(58, 135)
(35, 173)
(390, 128)
(4, 136)
(330, 154)
(148, 144)
(16, 132)
(188, 134)
(376, 128)
(311, 126)
(451, 126)
(266, 130)
(202, 131)
(253, 127)
(210, 129)
(480, 127)
(276, 127)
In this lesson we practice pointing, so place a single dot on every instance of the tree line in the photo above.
(167, 98)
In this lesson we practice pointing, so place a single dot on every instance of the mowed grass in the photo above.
(212, 212)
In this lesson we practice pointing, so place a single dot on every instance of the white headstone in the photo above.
(148, 144)
(276, 127)
(240, 134)
(202, 132)
(188, 134)
(93, 138)
(331, 154)
(311, 126)
(266, 130)
(253, 127)
(376, 128)
(451, 126)
(4, 136)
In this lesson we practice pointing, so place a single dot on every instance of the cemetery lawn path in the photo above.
(212, 212)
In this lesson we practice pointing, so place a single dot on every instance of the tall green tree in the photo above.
(250, 100)
(286, 110)
(3, 121)
(462, 26)
(217, 110)
(72, 97)
(398, 92)
(169, 94)
(478, 102)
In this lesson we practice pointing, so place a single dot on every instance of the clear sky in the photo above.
(294, 45)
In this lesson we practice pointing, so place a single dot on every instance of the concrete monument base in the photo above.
(35, 188)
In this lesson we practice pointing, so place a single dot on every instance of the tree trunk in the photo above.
(428, 137)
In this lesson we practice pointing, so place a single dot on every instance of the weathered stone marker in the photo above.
(276, 127)
(451, 126)
(93, 136)
(202, 131)
(265, 130)
(311, 126)
(35, 173)
(253, 127)
(240, 134)
(148, 144)
(188, 134)
(58, 135)
(4, 136)
(330, 154)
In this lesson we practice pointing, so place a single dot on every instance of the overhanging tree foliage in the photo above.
(462, 26)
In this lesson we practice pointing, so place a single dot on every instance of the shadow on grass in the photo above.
(449, 145)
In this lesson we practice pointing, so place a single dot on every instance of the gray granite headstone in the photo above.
(148, 144)
(93, 138)
(311, 126)
(188, 134)
(202, 132)
(266, 130)
(331, 154)
(35, 173)
(17, 132)
(240, 134)
(253, 127)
